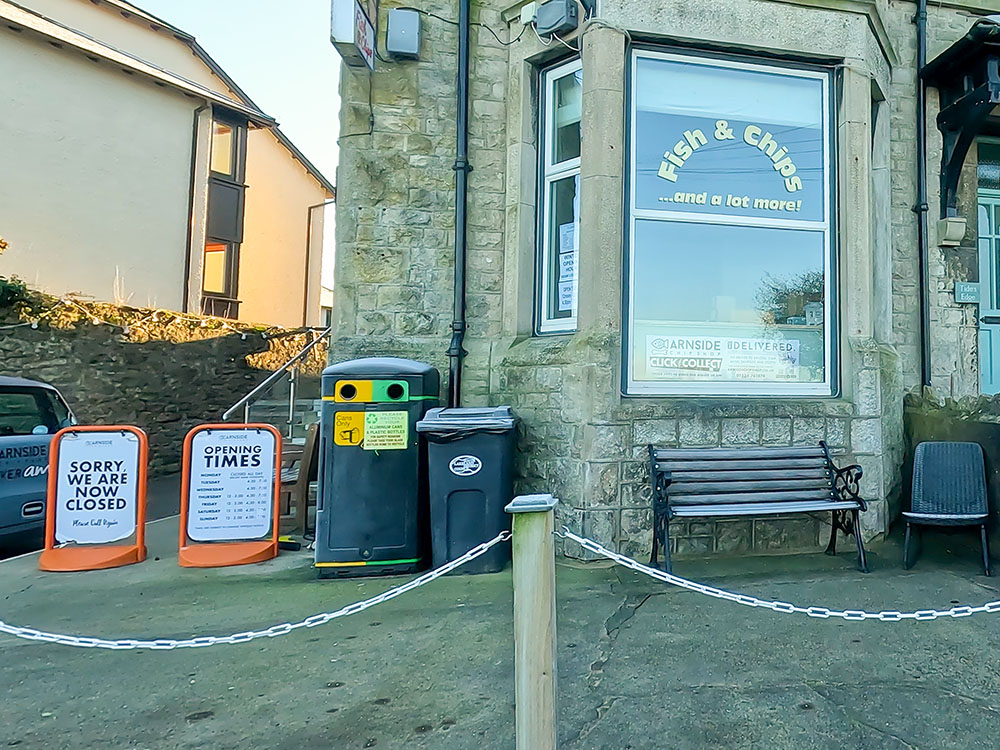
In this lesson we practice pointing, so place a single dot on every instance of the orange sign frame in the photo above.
(96, 557)
(219, 554)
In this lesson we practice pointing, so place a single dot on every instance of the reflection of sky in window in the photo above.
(701, 90)
(711, 272)
(676, 96)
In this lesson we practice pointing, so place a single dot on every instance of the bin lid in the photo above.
(378, 367)
(445, 421)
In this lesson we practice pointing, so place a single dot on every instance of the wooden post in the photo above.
(534, 621)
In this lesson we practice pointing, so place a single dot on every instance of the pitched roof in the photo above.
(18, 18)
(158, 24)
(24, 18)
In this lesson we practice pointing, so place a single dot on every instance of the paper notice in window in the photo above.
(567, 266)
(567, 237)
(567, 295)
(722, 358)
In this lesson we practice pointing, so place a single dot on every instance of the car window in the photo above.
(24, 409)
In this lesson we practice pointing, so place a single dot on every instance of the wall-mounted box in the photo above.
(352, 33)
(402, 36)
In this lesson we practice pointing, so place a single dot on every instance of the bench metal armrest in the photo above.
(660, 480)
(847, 483)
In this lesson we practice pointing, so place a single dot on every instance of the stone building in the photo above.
(689, 224)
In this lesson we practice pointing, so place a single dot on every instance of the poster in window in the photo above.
(567, 266)
(567, 295)
(567, 237)
(722, 358)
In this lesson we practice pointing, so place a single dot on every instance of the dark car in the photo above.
(30, 414)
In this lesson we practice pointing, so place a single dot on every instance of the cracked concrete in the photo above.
(640, 665)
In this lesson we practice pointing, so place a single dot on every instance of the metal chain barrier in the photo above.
(783, 607)
(168, 644)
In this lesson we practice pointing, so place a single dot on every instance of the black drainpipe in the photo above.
(455, 351)
(922, 208)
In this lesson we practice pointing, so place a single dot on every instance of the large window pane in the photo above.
(714, 302)
(729, 256)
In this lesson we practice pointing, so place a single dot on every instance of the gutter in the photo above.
(462, 168)
(921, 208)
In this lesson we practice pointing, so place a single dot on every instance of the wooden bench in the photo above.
(298, 469)
(705, 482)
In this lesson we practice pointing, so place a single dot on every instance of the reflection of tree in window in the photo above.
(790, 300)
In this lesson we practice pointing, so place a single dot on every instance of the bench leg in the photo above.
(987, 565)
(862, 558)
(907, 563)
(831, 548)
(661, 539)
(665, 540)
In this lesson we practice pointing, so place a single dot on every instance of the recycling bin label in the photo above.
(385, 430)
(348, 427)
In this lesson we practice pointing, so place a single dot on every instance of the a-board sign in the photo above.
(96, 496)
(229, 495)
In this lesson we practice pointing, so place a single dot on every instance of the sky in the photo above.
(280, 55)
(283, 60)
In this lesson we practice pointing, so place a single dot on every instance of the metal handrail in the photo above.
(275, 376)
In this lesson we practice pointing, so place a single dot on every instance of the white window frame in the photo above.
(550, 173)
(633, 387)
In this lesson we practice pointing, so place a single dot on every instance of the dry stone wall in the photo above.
(162, 371)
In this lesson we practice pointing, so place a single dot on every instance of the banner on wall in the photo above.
(722, 358)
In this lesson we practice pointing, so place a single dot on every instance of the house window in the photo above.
(217, 276)
(729, 260)
(224, 143)
(559, 207)
(220, 278)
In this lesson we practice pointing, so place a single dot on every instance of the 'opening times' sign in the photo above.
(231, 486)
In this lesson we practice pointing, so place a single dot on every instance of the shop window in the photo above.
(559, 205)
(729, 254)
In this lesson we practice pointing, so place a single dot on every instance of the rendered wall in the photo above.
(281, 253)
(95, 176)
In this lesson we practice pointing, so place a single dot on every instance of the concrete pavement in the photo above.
(640, 665)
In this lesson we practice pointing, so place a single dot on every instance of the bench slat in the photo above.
(712, 454)
(737, 464)
(702, 488)
(681, 475)
(751, 497)
(761, 509)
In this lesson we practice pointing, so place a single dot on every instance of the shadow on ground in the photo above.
(640, 665)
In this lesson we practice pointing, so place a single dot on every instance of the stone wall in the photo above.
(581, 439)
(162, 371)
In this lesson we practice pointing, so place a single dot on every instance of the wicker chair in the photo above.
(949, 489)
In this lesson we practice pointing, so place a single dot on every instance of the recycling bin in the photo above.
(371, 510)
(470, 455)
